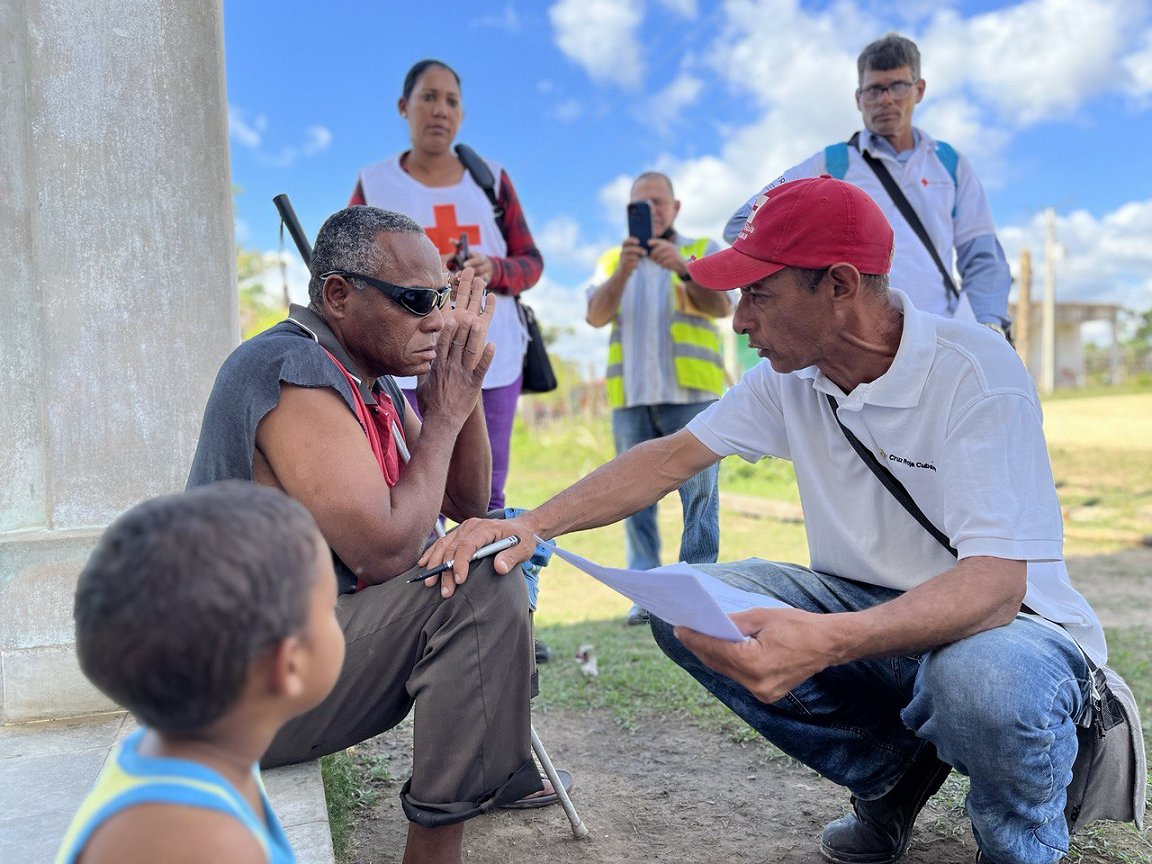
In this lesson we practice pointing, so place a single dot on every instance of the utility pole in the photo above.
(1022, 326)
(1048, 316)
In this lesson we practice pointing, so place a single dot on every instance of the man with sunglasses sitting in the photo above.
(942, 210)
(310, 407)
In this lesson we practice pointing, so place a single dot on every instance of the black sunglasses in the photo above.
(418, 301)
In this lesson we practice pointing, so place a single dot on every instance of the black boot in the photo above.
(877, 832)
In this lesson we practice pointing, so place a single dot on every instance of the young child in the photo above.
(210, 615)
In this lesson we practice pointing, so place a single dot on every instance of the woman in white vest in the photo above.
(430, 184)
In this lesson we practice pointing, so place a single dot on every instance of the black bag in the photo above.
(538, 376)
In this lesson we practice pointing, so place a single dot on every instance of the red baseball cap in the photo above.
(812, 223)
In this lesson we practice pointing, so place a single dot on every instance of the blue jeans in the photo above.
(700, 495)
(1000, 707)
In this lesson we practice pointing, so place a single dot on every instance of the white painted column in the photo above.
(117, 284)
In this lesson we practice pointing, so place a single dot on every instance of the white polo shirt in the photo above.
(956, 419)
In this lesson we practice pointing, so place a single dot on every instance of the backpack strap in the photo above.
(836, 159)
(907, 210)
(482, 174)
(949, 158)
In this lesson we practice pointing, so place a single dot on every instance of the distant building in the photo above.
(1069, 343)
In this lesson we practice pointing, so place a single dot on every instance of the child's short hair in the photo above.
(184, 592)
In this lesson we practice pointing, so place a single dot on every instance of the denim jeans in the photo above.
(1000, 707)
(699, 496)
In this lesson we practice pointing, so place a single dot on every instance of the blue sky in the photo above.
(1050, 99)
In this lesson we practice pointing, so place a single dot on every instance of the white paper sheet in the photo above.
(732, 599)
(679, 594)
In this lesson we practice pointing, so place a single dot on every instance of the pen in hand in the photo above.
(482, 552)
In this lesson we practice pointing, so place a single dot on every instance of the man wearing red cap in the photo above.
(932, 632)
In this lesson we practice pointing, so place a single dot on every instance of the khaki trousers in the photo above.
(464, 663)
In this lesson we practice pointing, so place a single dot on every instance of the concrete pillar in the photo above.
(117, 281)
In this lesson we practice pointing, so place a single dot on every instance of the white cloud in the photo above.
(248, 132)
(567, 110)
(614, 197)
(564, 306)
(319, 137)
(663, 109)
(784, 56)
(799, 70)
(600, 35)
(507, 19)
(1106, 259)
(958, 121)
(1138, 66)
(1032, 61)
(561, 243)
(683, 8)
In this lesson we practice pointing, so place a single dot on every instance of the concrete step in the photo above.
(47, 768)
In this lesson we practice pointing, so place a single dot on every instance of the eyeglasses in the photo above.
(897, 89)
(418, 301)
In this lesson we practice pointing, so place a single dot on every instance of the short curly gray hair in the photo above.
(347, 241)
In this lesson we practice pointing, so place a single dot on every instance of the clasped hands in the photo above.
(463, 353)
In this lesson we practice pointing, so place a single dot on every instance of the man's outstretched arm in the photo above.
(626, 485)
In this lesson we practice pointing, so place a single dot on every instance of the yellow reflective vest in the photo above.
(696, 350)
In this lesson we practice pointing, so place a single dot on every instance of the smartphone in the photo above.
(461, 252)
(640, 222)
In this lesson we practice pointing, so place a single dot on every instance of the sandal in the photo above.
(542, 799)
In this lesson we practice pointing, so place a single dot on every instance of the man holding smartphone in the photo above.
(665, 364)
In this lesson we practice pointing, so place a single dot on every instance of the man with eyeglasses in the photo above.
(310, 407)
(938, 187)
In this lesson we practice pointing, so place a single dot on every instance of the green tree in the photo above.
(259, 308)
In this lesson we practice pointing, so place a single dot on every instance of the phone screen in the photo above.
(640, 221)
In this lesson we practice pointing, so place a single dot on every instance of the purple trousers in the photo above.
(499, 412)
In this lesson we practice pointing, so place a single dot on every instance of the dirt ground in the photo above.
(669, 791)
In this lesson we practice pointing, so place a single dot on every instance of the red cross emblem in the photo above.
(923, 181)
(446, 231)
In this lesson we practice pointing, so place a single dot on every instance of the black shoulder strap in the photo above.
(890, 482)
(482, 174)
(906, 210)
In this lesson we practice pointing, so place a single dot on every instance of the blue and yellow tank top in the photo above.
(131, 778)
